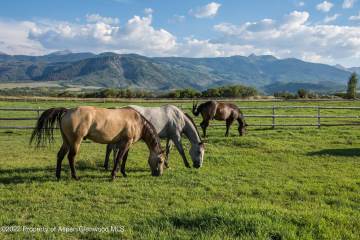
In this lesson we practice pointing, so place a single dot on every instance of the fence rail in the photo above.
(273, 116)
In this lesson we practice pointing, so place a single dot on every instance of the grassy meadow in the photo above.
(282, 183)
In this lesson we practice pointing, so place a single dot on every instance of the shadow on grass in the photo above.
(46, 174)
(215, 221)
(21, 175)
(25, 175)
(344, 152)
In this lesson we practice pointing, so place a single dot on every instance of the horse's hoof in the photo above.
(113, 176)
(76, 178)
(124, 175)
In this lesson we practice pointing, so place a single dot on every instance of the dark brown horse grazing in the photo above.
(123, 127)
(220, 111)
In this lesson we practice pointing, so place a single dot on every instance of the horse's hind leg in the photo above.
(74, 149)
(107, 156)
(60, 156)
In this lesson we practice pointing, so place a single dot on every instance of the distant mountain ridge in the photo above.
(165, 73)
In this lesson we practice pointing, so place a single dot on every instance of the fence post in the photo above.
(318, 117)
(273, 117)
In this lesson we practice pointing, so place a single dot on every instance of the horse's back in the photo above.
(100, 124)
(164, 118)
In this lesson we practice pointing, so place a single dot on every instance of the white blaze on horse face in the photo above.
(197, 154)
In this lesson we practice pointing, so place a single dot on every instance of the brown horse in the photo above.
(220, 111)
(123, 126)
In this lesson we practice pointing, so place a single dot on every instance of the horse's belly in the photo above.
(104, 135)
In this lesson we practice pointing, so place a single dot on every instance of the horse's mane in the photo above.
(149, 130)
(193, 122)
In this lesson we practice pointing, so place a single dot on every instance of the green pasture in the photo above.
(282, 183)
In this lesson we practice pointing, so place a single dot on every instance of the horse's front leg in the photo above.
(168, 147)
(123, 148)
(123, 163)
(229, 121)
(178, 145)
(204, 124)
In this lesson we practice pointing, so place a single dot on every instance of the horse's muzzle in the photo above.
(156, 173)
(197, 165)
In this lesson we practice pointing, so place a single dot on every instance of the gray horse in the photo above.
(170, 122)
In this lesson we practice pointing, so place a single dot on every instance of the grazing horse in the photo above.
(170, 122)
(220, 111)
(107, 126)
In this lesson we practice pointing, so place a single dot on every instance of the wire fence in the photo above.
(257, 116)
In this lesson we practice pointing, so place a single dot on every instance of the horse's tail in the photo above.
(44, 130)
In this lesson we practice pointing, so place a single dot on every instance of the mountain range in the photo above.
(265, 72)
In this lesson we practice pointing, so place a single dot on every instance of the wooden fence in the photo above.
(272, 116)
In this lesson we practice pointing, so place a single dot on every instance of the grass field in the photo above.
(286, 183)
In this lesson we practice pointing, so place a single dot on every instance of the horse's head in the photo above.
(197, 154)
(194, 107)
(242, 127)
(156, 163)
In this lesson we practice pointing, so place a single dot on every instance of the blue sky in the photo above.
(317, 31)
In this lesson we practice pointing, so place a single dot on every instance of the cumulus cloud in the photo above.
(348, 3)
(104, 34)
(208, 11)
(325, 6)
(355, 17)
(14, 38)
(332, 18)
(295, 36)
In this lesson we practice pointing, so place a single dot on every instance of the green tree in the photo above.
(352, 84)
(302, 93)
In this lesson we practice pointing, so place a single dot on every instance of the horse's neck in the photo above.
(190, 132)
(150, 138)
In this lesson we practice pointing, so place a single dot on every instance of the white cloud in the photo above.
(177, 19)
(14, 38)
(93, 18)
(301, 4)
(348, 3)
(355, 18)
(208, 11)
(295, 36)
(148, 11)
(137, 35)
(332, 18)
(325, 6)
